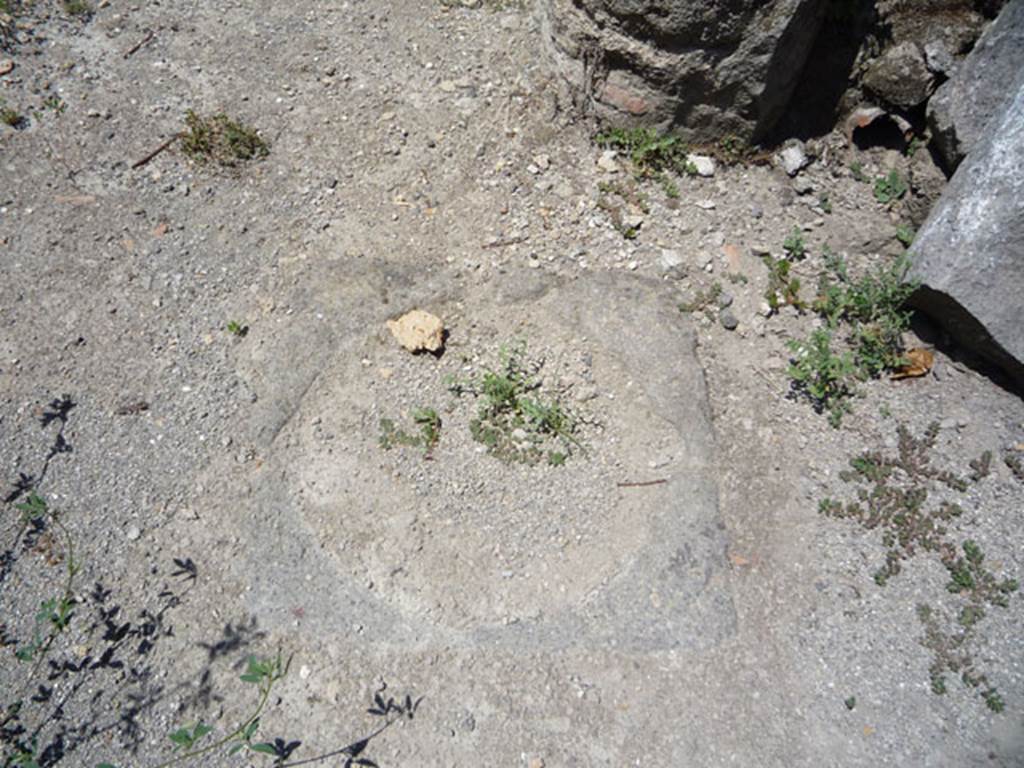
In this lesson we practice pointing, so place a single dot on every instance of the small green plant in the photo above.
(782, 287)
(515, 421)
(914, 146)
(650, 152)
(703, 299)
(427, 421)
(890, 188)
(894, 498)
(857, 171)
(738, 278)
(981, 467)
(794, 245)
(823, 376)
(77, 7)
(219, 139)
(825, 204)
(633, 200)
(1015, 464)
(235, 328)
(9, 116)
(55, 104)
(733, 150)
(905, 234)
(873, 309)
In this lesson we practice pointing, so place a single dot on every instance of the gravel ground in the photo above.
(226, 495)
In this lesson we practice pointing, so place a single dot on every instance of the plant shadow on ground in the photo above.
(89, 674)
(894, 496)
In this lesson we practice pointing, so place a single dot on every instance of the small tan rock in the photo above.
(6, 65)
(418, 330)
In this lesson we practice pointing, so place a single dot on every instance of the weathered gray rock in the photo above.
(699, 68)
(960, 109)
(969, 255)
(900, 77)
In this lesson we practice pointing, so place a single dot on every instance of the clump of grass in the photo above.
(221, 140)
(515, 421)
(893, 497)
(428, 423)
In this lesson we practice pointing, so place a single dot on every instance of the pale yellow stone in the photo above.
(418, 330)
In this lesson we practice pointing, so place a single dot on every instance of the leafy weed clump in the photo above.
(650, 152)
(221, 140)
(894, 497)
(872, 307)
(653, 155)
(870, 312)
(515, 421)
(890, 188)
(822, 375)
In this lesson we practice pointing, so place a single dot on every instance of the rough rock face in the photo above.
(969, 255)
(900, 77)
(704, 69)
(961, 107)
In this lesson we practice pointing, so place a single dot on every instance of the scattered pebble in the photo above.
(793, 159)
(728, 319)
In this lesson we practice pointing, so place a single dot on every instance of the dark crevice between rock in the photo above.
(817, 102)
(960, 333)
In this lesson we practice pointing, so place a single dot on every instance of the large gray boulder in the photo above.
(703, 69)
(961, 108)
(969, 256)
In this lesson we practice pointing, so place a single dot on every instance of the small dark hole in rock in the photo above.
(881, 132)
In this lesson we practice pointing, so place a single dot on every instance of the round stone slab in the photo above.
(621, 547)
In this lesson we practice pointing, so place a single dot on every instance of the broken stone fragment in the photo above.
(418, 330)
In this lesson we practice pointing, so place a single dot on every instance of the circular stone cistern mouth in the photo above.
(454, 545)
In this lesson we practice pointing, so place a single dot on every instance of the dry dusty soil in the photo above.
(669, 596)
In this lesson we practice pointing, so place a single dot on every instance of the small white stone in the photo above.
(704, 165)
(607, 163)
